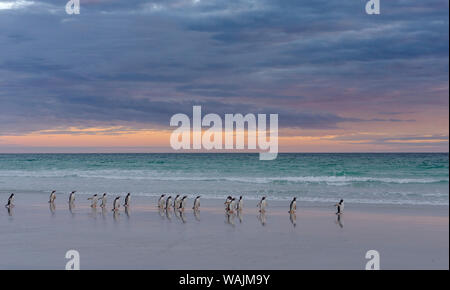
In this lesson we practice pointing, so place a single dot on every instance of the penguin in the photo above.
(94, 199)
(196, 206)
(72, 197)
(262, 204)
(176, 203)
(340, 206)
(52, 197)
(231, 205)
(161, 201)
(293, 205)
(227, 201)
(168, 202)
(182, 203)
(10, 204)
(104, 200)
(116, 204)
(127, 200)
(240, 204)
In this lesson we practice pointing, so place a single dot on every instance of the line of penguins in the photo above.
(179, 203)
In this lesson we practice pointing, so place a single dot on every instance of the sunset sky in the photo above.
(109, 79)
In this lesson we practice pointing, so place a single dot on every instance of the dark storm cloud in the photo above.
(139, 62)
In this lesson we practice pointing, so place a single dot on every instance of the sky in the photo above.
(110, 78)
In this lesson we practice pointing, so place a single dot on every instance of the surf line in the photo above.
(257, 132)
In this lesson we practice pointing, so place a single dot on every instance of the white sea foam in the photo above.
(165, 176)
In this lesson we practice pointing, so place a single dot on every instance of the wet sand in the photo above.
(36, 236)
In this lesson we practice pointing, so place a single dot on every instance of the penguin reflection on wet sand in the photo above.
(262, 218)
(127, 211)
(169, 213)
(177, 214)
(239, 215)
(104, 212)
(183, 217)
(340, 221)
(116, 215)
(9, 203)
(52, 208)
(197, 215)
(229, 218)
(52, 197)
(161, 212)
(293, 218)
(71, 208)
(93, 213)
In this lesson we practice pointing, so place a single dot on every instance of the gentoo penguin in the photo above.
(72, 197)
(52, 197)
(230, 207)
(168, 202)
(176, 202)
(293, 205)
(116, 204)
(340, 206)
(127, 200)
(182, 203)
(161, 201)
(196, 203)
(227, 201)
(240, 204)
(94, 199)
(10, 204)
(104, 200)
(262, 204)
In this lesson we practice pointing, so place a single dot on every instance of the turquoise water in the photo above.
(360, 178)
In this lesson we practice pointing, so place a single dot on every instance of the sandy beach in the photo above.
(35, 236)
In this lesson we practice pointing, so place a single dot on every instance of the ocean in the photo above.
(379, 178)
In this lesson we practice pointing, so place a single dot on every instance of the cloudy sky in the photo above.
(109, 79)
